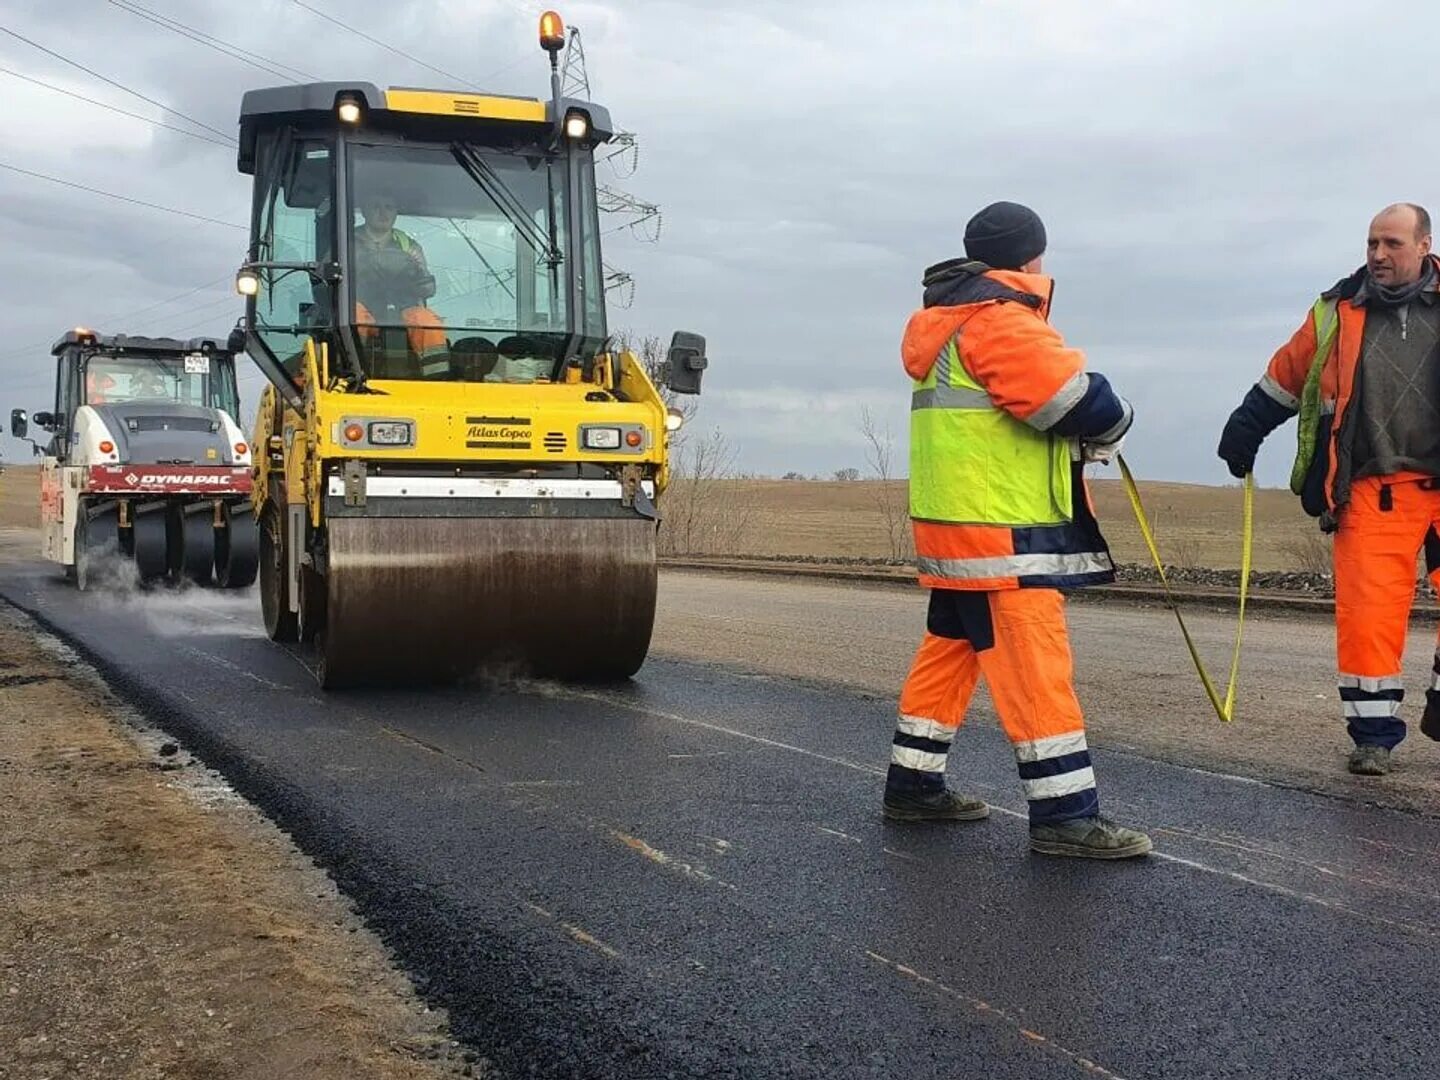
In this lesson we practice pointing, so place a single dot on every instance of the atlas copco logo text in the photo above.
(484, 431)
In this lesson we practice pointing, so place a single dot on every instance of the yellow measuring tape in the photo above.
(1224, 710)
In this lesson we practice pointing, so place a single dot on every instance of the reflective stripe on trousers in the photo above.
(1382, 531)
(1016, 640)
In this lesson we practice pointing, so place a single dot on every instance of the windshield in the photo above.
(458, 263)
(204, 381)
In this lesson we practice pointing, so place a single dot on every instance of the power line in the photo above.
(117, 85)
(112, 108)
(382, 44)
(121, 198)
(226, 48)
(127, 316)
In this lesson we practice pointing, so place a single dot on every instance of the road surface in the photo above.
(687, 876)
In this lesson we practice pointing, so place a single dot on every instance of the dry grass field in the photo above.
(20, 497)
(1197, 526)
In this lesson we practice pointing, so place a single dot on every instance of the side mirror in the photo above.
(19, 424)
(44, 420)
(685, 363)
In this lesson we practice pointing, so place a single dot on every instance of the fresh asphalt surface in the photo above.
(688, 876)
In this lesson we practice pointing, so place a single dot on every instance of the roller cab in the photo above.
(456, 472)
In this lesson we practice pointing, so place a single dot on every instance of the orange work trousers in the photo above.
(1381, 533)
(425, 332)
(1016, 639)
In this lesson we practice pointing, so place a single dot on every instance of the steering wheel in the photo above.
(390, 280)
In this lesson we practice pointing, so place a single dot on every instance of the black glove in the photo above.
(1258, 415)
(1238, 446)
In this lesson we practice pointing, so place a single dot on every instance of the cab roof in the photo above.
(406, 108)
(145, 346)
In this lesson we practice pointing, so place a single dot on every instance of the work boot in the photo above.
(1089, 838)
(1430, 722)
(1369, 760)
(943, 805)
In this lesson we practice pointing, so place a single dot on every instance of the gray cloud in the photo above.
(1204, 170)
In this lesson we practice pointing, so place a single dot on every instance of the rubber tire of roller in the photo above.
(151, 545)
(94, 538)
(280, 622)
(312, 605)
(237, 549)
(192, 546)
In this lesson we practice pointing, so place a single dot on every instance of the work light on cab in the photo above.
(247, 283)
(348, 109)
(577, 125)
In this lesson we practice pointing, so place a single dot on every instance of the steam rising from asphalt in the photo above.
(171, 609)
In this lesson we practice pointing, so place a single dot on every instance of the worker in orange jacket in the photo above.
(424, 331)
(1369, 354)
(1003, 418)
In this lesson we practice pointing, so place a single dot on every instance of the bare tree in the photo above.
(891, 498)
(705, 511)
(847, 475)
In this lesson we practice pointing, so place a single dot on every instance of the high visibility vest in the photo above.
(1326, 316)
(973, 463)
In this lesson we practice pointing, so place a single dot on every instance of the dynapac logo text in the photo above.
(182, 478)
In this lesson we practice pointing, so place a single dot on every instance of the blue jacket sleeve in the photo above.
(1101, 415)
(1256, 417)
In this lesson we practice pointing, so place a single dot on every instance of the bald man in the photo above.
(1363, 374)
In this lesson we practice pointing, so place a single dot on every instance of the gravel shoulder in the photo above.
(152, 924)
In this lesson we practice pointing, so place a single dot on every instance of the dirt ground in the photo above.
(152, 925)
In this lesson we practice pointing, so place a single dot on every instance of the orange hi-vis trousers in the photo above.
(1016, 639)
(1380, 536)
(425, 332)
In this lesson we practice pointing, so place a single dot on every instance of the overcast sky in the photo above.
(1203, 171)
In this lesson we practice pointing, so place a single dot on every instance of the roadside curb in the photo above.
(1131, 593)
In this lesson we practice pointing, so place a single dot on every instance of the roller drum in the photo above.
(412, 599)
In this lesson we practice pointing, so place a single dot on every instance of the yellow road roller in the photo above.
(455, 469)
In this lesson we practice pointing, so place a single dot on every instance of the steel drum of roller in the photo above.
(425, 599)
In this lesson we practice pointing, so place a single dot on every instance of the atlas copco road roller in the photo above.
(145, 463)
(456, 471)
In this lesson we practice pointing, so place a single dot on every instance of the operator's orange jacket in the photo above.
(1328, 486)
(999, 321)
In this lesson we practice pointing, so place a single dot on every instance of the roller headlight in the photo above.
(602, 438)
(389, 433)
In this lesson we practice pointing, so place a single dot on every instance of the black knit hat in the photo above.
(1005, 235)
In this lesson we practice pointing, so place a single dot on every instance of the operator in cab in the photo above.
(392, 278)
